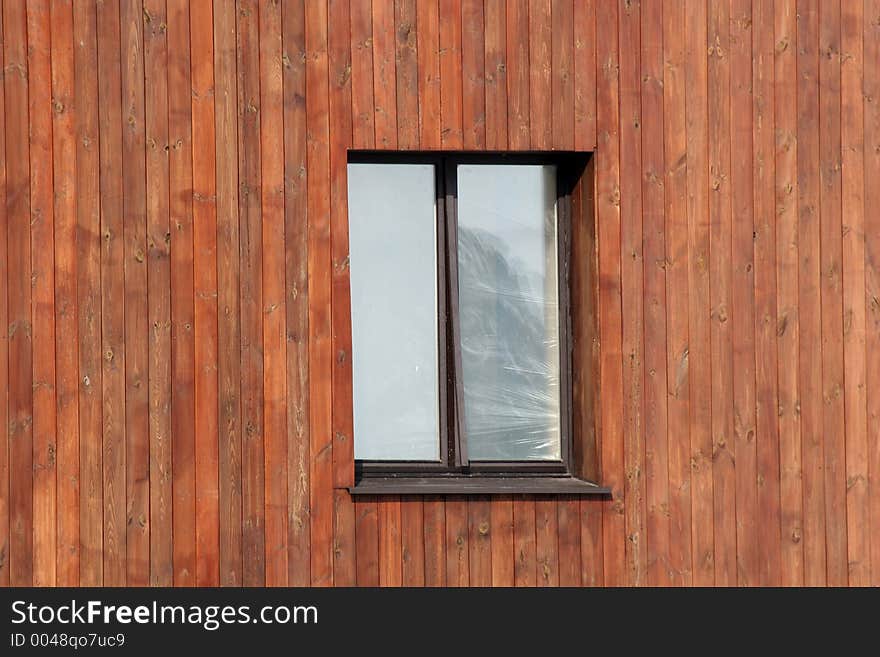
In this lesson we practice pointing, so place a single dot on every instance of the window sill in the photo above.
(476, 485)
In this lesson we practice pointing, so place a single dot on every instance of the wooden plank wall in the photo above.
(175, 359)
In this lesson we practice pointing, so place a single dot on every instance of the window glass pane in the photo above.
(392, 238)
(508, 311)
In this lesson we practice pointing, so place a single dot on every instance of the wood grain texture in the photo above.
(134, 210)
(206, 293)
(175, 356)
(43, 292)
(66, 353)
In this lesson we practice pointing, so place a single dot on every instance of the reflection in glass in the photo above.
(392, 236)
(508, 311)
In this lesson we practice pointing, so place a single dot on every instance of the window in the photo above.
(461, 341)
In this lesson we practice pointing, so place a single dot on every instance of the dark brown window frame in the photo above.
(454, 473)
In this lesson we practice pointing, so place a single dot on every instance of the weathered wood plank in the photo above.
(831, 290)
(540, 66)
(66, 352)
(451, 135)
(158, 293)
(585, 74)
(809, 288)
(319, 276)
(43, 291)
(134, 212)
(787, 327)
(228, 302)
(769, 550)
(632, 290)
(473, 92)
(182, 294)
(675, 149)
(562, 74)
(610, 317)
(495, 75)
(858, 520)
(742, 294)
(655, 309)
(339, 44)
(207, 529)
(273, 310)
(699, 309)
(297, 289)
(88, 295)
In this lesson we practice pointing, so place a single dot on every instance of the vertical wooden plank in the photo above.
(362, 107)
(568, 524)
(297, 285)
(435, 541)
(720, 226)
(787, 327)
(742, 297)
(656, 542)
(134, 213)
(158, 292)
(479, 522)
(632, 284)
(450, 74)
(384, 74)
(585, 351)
(407, 73)
(428, 46)
(858, 520)
(42, 248)
(430, 56)
(182, 297)
(66, 356)
(501, 519)
(473, 101)
(585, 75)
(112, 285)
(251, 290)
(525, 565)
(205, 286)
(592, 566)
(320, 353)
(273, 309)
(517, 74)
(390, 550)
(768, 571)
(88, 294)
(809, 287)
(367, 533)
(831, 289)
(677, 302)
(4, 341)
(412, 541)
(562, 71)
(495, 62)
(547, 542)
(871, 82)
(18, 258)
(699, 309)
(540, 65)
(610, 318)
(344, 571)
(228, 315)
(457, 551)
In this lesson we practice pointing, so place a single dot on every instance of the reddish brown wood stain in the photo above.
(175, 367)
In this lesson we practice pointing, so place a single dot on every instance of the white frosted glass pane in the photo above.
(392, 242)
(508, 311)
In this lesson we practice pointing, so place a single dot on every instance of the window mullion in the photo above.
(459, 444)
